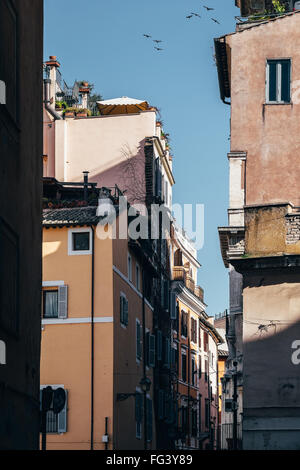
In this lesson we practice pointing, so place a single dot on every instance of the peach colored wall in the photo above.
(100, 144)
(49, 143)
(66, 348)
(268, 133)
(128, 371)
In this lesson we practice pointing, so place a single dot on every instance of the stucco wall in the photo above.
(104, 146)
(262, 130)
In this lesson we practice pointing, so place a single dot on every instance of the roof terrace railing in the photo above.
(258, 18)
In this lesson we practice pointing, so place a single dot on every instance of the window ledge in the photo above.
(277, 103)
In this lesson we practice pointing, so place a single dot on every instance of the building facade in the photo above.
(261, 243)
(97, 331)
(21, 50)
(195, 352)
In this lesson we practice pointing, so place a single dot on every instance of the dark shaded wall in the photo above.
(21, 49)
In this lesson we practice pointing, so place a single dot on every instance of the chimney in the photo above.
(52, 64)
(84, 90)
(85, 184)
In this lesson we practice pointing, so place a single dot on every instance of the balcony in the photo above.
(180, 273)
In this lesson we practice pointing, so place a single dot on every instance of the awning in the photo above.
(123, 105)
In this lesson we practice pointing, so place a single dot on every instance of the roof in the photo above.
(70, 216)
(222, 58)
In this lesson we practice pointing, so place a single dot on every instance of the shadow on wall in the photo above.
(128, 175)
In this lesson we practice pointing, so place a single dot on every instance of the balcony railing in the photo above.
(179, 273)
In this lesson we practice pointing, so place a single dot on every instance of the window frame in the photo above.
(44, 292)
(122, 323)
(278, 62)
(71, 251)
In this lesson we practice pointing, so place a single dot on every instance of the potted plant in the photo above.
(83, 112)
(69, 112)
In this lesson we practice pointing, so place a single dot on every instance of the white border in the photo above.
(70, 241)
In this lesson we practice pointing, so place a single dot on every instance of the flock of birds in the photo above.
(188, 17)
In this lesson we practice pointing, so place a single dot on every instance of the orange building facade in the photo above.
(92, 335)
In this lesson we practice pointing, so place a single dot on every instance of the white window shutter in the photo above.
(62, 417)
(173, 310)
(63, 302)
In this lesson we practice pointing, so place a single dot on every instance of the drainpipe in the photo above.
(52, 111)
(144, 359)
(92, 337)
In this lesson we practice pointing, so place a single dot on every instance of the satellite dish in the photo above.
(59, 400)
(47, 395)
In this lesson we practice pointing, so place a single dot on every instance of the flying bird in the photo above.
(196, 14)
(216, 21)
(189, 16)
(158, 48)
(147, 35)
(208, 8)
(157, 41)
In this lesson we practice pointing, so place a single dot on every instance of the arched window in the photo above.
(178, 258)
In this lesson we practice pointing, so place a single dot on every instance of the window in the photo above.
(50, 304)
(55, 303)
(138, 340)
(183, 365)
(194, 330)
(205, 336)
(167, 352)
(150, 349)
(194, 372)
(129, 268)
(278, 81)
(184, 323)
(137, 277)
(55, 423)
(138, 413)
(80, 241)
(123, 310)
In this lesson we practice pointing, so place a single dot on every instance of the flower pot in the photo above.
(69, 114)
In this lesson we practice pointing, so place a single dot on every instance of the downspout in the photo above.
(92, 337)
(144, 358)
(52, 111)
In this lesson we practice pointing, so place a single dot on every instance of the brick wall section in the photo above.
(293, 229)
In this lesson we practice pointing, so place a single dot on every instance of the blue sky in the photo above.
(102, 41)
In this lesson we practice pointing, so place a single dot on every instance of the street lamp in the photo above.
(145, 384)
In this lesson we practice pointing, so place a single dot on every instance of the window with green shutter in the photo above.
(123, 310)
(278, 81)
